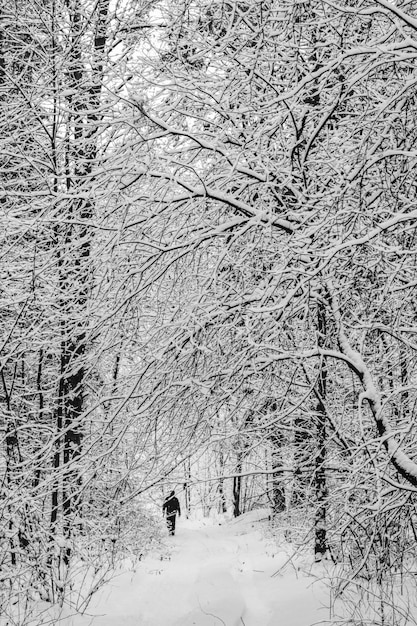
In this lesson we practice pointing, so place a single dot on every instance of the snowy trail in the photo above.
(216, 576)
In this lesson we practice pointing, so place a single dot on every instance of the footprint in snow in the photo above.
(216, 598)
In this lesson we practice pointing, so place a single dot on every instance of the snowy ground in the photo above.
(211, 575)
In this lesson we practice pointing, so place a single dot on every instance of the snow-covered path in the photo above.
(216, 576)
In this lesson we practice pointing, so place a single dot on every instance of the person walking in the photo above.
(170, 509)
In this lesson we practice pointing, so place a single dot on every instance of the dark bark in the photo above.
(278, 490)
(243, 443)
(11, 442)
(74, 269)
(187, 488)
(223, 505)
(41, 401)
(237, 487)
(320, 482)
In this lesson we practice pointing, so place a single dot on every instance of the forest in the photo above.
(208, 283)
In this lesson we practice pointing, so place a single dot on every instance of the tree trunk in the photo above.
(320, 485)
(278, 490)
(222, 504)
(237, 487)
(74, 267)
(187, 488)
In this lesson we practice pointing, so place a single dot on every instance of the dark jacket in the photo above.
(171, 505)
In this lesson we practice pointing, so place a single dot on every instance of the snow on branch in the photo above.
(404, 465)
(392, 8)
